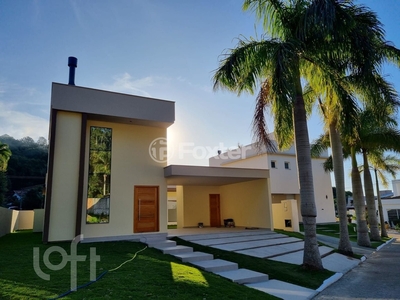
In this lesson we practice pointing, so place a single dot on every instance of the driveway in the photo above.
(376, 278)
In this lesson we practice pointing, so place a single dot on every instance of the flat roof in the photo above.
(113, 107)
(200, 175)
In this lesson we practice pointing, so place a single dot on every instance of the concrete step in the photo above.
(194, 257)
(160, 244)
(216, 265)
(243, 276)
(176, 250)
(283, 290)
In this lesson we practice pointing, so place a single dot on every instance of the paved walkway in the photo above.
(376, 278)
(261, 244)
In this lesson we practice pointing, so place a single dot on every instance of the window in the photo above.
(287, 165)
(99, 177)
(273, 164)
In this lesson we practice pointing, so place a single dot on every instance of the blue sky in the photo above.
(165, 49)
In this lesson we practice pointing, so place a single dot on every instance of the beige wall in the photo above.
(179, 206)
(196, 207)
(12, 220)
(131, 165)
(25, 219)
(248, 203)
(65, 176)
(38, 220)
(286, 210)
(5, 220)
(284, 182)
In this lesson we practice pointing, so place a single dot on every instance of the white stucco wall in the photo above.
(323, 193)
(388, 204)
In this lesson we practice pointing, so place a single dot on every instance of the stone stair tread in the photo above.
(161, 244)
(216, 265)
(176, 250)
(194, 257)
(243, 276)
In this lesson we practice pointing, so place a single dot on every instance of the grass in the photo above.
(151, 275)
(332, 229)
(172, 226)
(276, 270)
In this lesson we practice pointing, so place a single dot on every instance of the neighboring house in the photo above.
(108, 178)
(284, 176)
(391, 203)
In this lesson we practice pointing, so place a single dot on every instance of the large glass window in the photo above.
(99, 177)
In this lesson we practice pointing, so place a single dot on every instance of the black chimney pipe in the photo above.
(72, 64)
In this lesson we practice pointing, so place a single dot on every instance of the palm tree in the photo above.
(382, 164)
(332, 139)
(337, 37)
(376, 131)
(5, 154)
(277, 62)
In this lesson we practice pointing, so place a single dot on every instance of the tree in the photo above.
(5, 154)
(376, 132)
(335, 163)
(338, 38)
(33, 199)
(382, 164)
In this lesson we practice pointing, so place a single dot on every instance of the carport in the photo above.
(208, 195)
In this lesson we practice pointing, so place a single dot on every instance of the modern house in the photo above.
(282, 166)
(108, 176)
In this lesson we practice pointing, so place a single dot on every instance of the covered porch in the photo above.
(208, 195)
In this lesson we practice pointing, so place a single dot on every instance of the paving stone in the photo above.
(243, 276)
(284, 290)
(254, 244)
(161, 244)
(297, 257)
(227, 240)
(177, 250)
(216, 265)
(196, 237)
(339, 263)
(194, 256)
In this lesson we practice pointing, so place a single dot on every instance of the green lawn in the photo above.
(151, 275)
(332, 229)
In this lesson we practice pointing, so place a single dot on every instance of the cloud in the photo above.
(24, 111)
(126, 84)
(20, 124)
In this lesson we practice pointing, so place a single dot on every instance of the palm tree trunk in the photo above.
(337, 158)
(381, 218)
(359, 206)
(312, 257)
(370, 198)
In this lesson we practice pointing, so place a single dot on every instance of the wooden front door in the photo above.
(146, 206)
(215, 214)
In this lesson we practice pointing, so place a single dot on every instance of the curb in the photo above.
(383, 245)
(329, 281)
